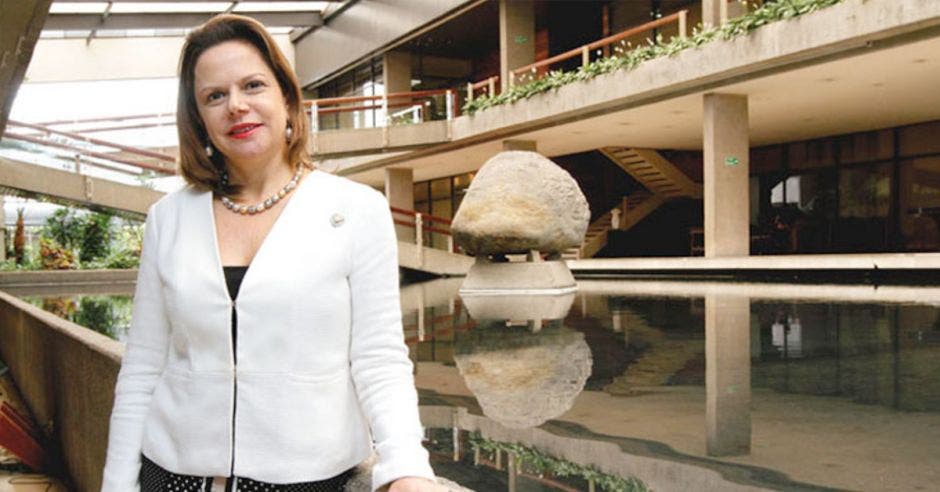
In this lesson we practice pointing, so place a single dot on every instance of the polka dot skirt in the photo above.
(153, 478)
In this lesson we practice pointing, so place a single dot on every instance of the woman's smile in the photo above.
(243, 130)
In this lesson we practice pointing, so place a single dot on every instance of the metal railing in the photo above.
(388, 109)
(424, 225)
(531, 72)
(41, 145)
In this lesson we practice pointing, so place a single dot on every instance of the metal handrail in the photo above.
(585, 50)
(94, 141)
(332, 105)
(427, 217)
(90, 153)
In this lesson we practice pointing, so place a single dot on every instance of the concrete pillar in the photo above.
(516, 36)
(529, 145)
(716, 12)
(727, 375)
(726, 190)
(399, 191)
(711, 13)
(396, 71)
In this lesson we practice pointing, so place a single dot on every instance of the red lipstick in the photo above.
(243, 130)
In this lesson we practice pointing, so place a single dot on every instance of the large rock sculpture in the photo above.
(521, 201)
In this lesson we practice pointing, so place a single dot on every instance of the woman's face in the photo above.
(241, 104)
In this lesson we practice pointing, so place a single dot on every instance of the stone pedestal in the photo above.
(518, 278)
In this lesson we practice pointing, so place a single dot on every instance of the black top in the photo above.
(233, 279)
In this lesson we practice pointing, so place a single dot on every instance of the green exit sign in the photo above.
(732, 161)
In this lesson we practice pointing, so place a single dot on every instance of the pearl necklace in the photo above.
(268, 203)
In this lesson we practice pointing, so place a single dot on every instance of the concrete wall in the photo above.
(66, 375)
(370, 140)
(76, 187)
(362, 31)
(57, 60)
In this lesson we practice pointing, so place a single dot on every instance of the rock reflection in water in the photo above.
(522, 379)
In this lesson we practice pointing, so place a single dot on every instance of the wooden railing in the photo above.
(423, 223)
(531, 71)
(416, 106)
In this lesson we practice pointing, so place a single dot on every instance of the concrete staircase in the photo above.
(658, 364)
(634, 208)
(663, 182)
(654, 172)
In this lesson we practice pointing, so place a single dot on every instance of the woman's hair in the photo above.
(198, 169)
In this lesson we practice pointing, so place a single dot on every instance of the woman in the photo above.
(266, 337)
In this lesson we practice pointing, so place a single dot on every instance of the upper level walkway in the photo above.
(73, 168)
(792, 71)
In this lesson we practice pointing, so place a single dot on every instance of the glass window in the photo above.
(421, 191)
(815, 153)
(865, 191)
(440, 188)
(919, 204)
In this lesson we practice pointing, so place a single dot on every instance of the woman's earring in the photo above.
(223, 177)
(289, 133)
(209, 151)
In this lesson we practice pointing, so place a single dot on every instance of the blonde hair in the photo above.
(197, 168)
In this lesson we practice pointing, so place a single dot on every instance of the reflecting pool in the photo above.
(630, 385)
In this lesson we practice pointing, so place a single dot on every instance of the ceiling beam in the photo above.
(174, 20)
(20, 25)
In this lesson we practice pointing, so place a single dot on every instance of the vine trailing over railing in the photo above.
(543, 463)
(628, 60)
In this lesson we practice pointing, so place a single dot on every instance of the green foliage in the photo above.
(65, 227)
(625, 58)
(96, 236)
(539, 462)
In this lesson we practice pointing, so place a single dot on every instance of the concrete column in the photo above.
(529, 145)
(399, 191)
(396, 71)
(727, 230)
(715, 12)
(727, 375)
(516, 36)
(711, 13)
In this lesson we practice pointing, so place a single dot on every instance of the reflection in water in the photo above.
(521, 378)
(487, 464)
(803, 388)
(109, 315)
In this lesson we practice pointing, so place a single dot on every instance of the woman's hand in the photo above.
(415, 484)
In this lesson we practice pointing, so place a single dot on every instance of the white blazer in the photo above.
(321, 353)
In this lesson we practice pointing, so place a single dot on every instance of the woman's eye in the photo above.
(215, 96)
(254, 84)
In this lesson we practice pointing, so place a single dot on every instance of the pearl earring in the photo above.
(289, 133)
(209, 151)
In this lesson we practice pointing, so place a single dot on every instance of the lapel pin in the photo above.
(337, 219)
